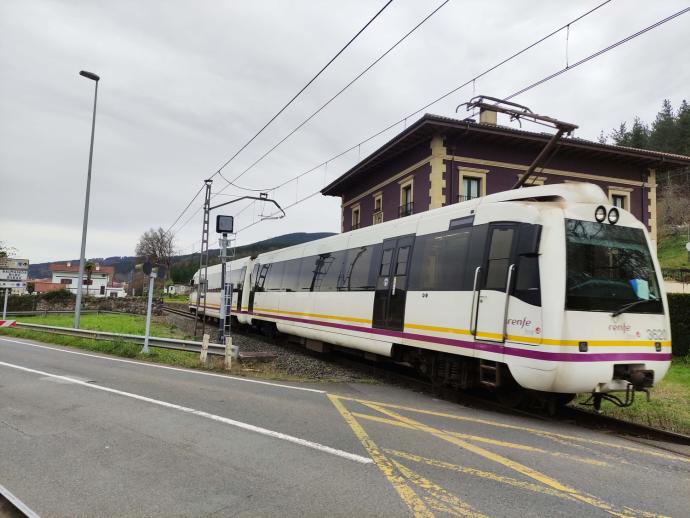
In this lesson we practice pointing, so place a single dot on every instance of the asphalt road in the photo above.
(83, 434)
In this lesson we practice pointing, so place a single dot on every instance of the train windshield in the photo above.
(609, 267)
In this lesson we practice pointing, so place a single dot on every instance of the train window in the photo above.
(386, 262)
(328, 271)
(261, 271)
(356, 275)
(499, 258)
(274, 278)
(401, 266)
(527, 287)
(307, 270)
(291, 276)
(439, 261)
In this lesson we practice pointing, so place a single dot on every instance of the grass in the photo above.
(671, 251)
(136, 325)
(669, 408)
(175, 298)
(124, 324)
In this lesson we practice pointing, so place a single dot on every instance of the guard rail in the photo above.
(163, 343)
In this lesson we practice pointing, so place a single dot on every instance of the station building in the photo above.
(438, 161)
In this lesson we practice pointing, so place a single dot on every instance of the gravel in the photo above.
(293, 361)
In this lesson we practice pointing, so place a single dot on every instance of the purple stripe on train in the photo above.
(488, 347)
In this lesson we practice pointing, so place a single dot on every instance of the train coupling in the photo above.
(627, 379)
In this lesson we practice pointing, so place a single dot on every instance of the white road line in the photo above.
(146, 364)
(200, 413)
(21, 506)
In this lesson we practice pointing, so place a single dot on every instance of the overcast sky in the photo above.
(185, 84)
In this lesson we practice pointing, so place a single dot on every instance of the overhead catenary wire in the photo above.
(301, 90)
(421, 109)
(343, 89)
(436, 100)
(549, 77)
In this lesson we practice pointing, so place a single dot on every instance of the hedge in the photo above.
(679, 309)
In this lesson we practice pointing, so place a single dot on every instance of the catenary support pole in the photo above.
(4, 306)
(145, 350)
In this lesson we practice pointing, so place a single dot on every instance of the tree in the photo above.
(663, 136)
(6, 251)
(30, 287)
(156, 245)
(89, 267)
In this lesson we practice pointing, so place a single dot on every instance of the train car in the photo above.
(547, 288)
(236, 271)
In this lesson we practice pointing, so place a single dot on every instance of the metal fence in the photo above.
(163, 343)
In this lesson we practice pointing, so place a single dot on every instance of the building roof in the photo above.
(429, 125)
(74, 267)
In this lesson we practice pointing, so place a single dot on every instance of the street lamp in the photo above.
(77, 309)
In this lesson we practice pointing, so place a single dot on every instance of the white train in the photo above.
(550, 288)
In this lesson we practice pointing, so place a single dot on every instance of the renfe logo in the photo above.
(623, 328)
(521, 323)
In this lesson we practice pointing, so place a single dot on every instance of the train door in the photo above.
(253, 282)
(391, 283)
(491, 289)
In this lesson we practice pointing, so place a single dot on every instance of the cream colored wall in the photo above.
(438, 167)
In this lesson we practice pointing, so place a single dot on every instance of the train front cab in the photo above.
(605, 317)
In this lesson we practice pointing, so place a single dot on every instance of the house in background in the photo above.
(100, 285)
(438, 161)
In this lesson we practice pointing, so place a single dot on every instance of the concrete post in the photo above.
(4, 306)
(204, 348)
(228, 353)
(145, 350)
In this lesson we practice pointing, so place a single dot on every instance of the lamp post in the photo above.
(80, 281)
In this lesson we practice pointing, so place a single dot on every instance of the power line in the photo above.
(360, 31)
(357, 77)
(549, 77)
(185, 209)
(302, 89)
(599, 52)
(438, 99)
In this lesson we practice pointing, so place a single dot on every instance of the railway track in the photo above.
(406, 376)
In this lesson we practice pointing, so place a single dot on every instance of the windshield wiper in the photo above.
(626, 307)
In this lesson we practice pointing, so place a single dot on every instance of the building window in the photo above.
(620, 197)
(472, 183)
(355, 217)
(471, 188)
(102, 290)
(406, 201)
(378, 209)
(65, 281)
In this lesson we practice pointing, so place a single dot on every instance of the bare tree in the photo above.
(673, 207)
(157, 245)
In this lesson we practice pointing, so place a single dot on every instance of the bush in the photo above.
(19, 302)
(679, 309)
(59, 296)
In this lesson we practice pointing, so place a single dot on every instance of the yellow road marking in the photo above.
(504, 461)
(529, 486)
(536, 431)
(478, 438)
(407, 494)
(452, 503)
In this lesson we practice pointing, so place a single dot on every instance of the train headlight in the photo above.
(613, 216)
(600, 213)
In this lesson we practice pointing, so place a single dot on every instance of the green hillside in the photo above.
(671, 251)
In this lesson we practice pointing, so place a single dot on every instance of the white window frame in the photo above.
(355, 209)
(377, 214)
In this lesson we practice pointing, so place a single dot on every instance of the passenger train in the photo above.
(547, 288)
